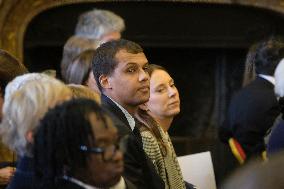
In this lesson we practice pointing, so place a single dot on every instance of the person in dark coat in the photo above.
(120, 69)
(254, 108)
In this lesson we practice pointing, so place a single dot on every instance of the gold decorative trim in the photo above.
(15, 15)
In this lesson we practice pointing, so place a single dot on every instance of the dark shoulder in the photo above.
(259, 91)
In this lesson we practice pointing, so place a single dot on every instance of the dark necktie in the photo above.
(137, 134)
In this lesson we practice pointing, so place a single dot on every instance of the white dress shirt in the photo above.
(268, 78)
(119, 185)
(130, 119)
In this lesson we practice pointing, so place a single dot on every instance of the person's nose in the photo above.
(118, 157)
(172, 92)
(143, 75)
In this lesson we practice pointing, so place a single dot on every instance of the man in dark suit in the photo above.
(120, 69)
(254, 108)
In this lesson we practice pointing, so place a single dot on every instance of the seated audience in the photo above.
(93, 28)
(10, 67)
(76, 146)
(120, 69)
(276, 139)
(25, 104)
(254, 108)
(258, 175)
(157, 114)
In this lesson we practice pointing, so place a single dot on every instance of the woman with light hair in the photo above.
(276, 139)
(10, 67)
(23, 108)
(18, 82)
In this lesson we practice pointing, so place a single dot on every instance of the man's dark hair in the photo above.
(57, 142)
(10, 68)
(104, 61)
(268, 55)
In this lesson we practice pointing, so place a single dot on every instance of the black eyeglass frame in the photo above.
(102, 151)
(120, 145)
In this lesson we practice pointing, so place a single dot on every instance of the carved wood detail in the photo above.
(15, 15)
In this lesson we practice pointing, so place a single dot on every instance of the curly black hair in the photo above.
(57, 142)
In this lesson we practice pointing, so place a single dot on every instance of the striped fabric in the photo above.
(237, 150)
(167, 167)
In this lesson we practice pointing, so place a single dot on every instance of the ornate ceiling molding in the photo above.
(15, 15)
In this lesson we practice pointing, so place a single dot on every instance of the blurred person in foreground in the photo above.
(258, 175)
(10, 67)
(77, 147)
(27, 99)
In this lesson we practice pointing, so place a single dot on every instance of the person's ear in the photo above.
(104, 81)
(30, 137)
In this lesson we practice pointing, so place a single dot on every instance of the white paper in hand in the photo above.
(197, 169)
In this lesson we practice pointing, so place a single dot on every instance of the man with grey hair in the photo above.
(98, 24)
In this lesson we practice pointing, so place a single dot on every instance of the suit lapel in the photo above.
(264, 83)
(110, 106)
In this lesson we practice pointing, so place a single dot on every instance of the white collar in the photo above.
(120, 185)
(78, 182)
(130, 119)
(269, 78)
